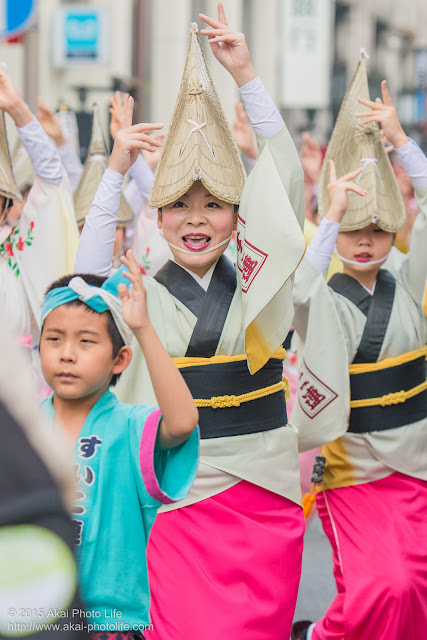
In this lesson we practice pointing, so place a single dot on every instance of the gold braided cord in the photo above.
(222, 402)
(391, 398)
(388, 362)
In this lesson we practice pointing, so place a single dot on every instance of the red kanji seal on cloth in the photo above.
(250, 259)
(313, 394)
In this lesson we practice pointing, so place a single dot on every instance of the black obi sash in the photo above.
(211, 308)
(378, 383)
(233, 379)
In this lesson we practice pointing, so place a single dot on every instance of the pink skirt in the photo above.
(226, 568)
(378, 533)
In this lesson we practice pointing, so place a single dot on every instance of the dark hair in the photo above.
(94, 281)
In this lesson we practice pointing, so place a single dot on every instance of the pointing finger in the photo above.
(221, 14)
(128, 113)
(386, 96)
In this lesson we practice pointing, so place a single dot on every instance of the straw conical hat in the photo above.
(95, 165)
(8, 186)
(200, 145)
(22, 167)
(355, 145)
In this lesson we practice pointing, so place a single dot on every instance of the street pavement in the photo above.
(317, 587)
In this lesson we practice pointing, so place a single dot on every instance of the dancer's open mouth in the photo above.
(196, 241)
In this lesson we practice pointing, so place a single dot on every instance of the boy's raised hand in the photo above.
(229, 47)
(337, 192)
(130, 139)
(134, 302)
(383, 111)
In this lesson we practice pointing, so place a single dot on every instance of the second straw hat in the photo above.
(355, 145)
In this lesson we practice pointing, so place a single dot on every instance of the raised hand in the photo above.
(229, 47)
(337, 192)
(11, 101)
(9, 96)
(50, 123)
(383, 111)
(311, 157)
(130, 140)
(134, 302)
(242, 133)
(152, 157)
(117, 111)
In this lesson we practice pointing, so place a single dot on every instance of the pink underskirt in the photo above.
(226, 568)
(378, 533)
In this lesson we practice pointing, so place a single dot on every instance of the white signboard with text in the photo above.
(306, 53)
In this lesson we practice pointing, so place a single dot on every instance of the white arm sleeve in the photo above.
(263, 114)
(414, 162)
(96, 245)
(321, 248)
(72, 163)
(44, 157)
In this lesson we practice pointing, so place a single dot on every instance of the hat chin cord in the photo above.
(199, 253)
(362, 264)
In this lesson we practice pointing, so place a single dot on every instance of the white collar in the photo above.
(369, 290)
(205, 281)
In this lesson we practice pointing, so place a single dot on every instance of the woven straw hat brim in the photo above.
(200, 144)
(8, 186)
(97, 143)
(355, 145)
(87, 188)
(89, 182)
(22, 167)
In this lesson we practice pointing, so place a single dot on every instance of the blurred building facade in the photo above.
(147, 44)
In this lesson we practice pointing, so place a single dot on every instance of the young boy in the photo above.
(128, 459)
(370, 320)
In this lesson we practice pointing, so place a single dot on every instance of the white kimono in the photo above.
(270, 247)
(330, 329)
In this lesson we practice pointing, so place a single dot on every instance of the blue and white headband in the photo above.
(100, 299)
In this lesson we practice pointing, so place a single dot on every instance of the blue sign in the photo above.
(15, 16)
(82, 35)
